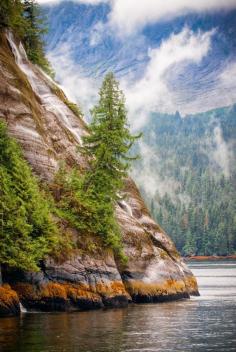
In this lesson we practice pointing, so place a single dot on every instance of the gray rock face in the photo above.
(36, 114)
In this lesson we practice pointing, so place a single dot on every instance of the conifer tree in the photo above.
(107, 146)
(27, 232)
(108, 142)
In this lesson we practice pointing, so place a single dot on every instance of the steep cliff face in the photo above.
(38, 115)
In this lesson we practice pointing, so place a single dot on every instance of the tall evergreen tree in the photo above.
(107, 145)
(108, 142)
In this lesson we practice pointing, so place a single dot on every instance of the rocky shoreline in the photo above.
(210, 257)
(56, 297)
(88, 283)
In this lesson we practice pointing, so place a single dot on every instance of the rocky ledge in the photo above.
(38, 115)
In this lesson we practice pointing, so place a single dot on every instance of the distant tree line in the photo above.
(199, 211)
(206, 224)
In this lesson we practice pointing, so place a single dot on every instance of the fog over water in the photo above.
(205, 323)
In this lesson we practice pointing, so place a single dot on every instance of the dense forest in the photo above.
(191, 163)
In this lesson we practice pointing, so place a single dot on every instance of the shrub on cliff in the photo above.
(27, 231)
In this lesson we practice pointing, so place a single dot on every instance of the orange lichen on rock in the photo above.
(79, 291)
(191, 285)
(8, 299)
(76, 292)
(69, 291)
(53, 290)
(168, 287)
(110, 289)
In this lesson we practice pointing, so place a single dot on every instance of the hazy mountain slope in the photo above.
(189, 178)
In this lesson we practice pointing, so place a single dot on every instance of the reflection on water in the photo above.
(206, 323)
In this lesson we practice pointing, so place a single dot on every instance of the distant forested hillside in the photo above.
(188, 177)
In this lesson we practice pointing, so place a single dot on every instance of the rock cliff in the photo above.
(40, 117)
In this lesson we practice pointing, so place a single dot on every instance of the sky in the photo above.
(168, 56)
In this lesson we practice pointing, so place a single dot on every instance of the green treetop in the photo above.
(108, 143)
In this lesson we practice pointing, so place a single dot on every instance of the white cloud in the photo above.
(228, 73)
(130, 15)
(151, 92)
(221, 152)
(149, 178)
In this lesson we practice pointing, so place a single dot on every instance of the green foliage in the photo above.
(25, 19)
(27, 231)
(190, 244)
(198, 211)
(88, 200)
(87, 215)
(11, 16)
(108, 144)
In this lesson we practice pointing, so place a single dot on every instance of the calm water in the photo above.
(207, 323)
